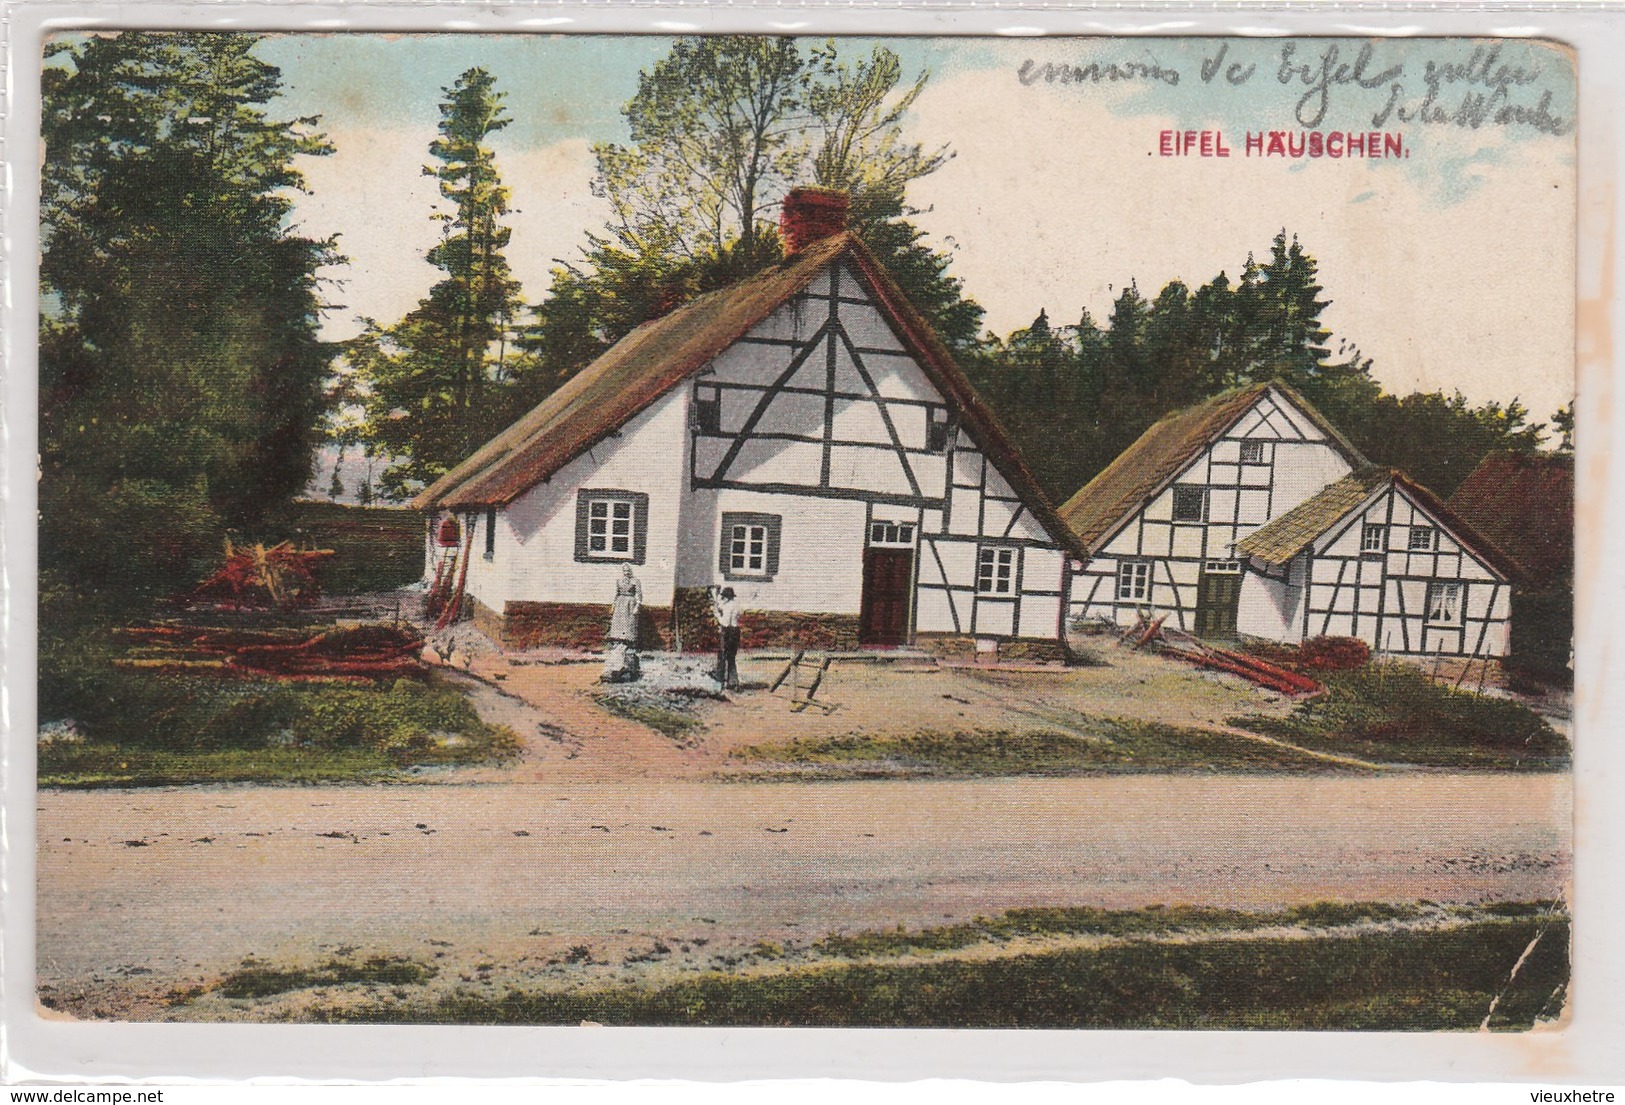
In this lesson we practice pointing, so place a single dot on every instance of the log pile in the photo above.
(357, 654)
(1183, 646)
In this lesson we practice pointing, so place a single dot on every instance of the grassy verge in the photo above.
(1088, 921)
(257, 980)
(1093, 745)
(108, 765)
(1435, 979)
(1392, 713)
(138, 727)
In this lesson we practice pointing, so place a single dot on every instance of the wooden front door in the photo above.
(888, 575)
(1218, 601)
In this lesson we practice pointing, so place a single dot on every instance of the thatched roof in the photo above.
(1277, 542)
(660, 354)
(1283, 538)
(1142, 470)
(1524, 502)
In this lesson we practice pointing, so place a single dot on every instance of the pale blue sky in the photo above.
(386, 80)
(1452, 267)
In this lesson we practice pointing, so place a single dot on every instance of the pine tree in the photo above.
(432, 375)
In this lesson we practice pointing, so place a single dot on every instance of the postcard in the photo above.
(799, 531)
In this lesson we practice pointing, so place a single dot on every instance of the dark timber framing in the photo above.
(1381, 588)
(931, 574)
(1239, 497)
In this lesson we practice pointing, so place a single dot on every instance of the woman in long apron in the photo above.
(621, 662)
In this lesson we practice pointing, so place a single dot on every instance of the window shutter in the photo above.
(772, 544)
(640, 527)
(581, 527)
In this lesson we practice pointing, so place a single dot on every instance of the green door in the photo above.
(1218, 599)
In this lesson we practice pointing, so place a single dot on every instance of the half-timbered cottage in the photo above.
(1160, 524)
(1378, 557)
(802, 437)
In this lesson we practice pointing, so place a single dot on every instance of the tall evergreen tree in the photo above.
(180, 370)
(433, 375)
(1180, 348)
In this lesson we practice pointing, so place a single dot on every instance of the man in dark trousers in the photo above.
(725, 608)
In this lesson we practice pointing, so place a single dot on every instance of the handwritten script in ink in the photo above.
(1476, 89)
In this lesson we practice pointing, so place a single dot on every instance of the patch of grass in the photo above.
(256, 980)
(1393, 713)
(142, 728)
(106, 765)
(667, 720)
(1089, 921)
(1094, 745)
(1411, 980)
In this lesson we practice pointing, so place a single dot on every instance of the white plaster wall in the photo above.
(1303, 470)
(821, 543)
(536, 534)
(1272, 608)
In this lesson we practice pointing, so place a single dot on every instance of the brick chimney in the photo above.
(810, 215)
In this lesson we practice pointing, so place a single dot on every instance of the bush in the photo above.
(1334, 654)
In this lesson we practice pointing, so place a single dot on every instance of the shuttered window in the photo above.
(750, 545)
(611, 526)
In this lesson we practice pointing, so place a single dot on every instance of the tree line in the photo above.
(1075, 396)
(184, 388)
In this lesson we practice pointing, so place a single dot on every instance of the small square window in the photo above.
(1190, 504)
(995, 571)
(1252, 452)
(1423, 538)
(936, 431)
(1444, 603)
(1374, 538)
(1134, 579)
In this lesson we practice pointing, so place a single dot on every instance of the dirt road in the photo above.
(143, 891)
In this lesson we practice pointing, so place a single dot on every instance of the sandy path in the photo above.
(512, 873)
(569, 736)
